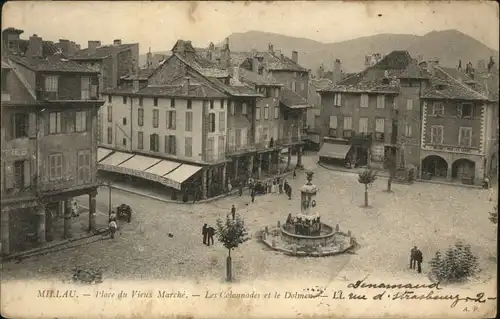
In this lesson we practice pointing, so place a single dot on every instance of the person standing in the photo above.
(233, 212)
(252, 194)
(419, 258)
(294, 173)
(289, 192)
(211, 233)
(204, 232)
(112, 228)
(413, 261)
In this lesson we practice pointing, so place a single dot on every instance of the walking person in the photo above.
(112, 228)
(413, 261)
(294, 173)
(252, 194)
(210, 233)
(233, 212)
(289, 192)
(240, 189)
(419, 258)
(204, 232)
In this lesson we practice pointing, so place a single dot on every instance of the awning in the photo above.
(116, 159)
(102, 153)
(338, 151)
(140, 163)
(182, 173)
(162, 168)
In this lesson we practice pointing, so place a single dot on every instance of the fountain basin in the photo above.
(325, 237)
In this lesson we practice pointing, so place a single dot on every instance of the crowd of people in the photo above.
(300, 226)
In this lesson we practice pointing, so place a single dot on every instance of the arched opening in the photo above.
(463, 169)
(435, 166)
(493, 167)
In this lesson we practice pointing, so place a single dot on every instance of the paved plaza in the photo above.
(427, 215)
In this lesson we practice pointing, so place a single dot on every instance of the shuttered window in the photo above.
(55, 166)
(84, 175)
(333, 121)
(364, 100)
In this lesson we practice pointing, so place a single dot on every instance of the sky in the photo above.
(159, 24)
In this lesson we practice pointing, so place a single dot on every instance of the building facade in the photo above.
(49, 148)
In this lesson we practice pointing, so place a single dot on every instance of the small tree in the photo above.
(231, 233)
(494, 216)
(367, 177)
(457, 264)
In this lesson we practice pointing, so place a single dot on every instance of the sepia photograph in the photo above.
(251, 159)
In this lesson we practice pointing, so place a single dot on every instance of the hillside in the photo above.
(449, 46)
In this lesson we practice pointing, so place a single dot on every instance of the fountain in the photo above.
(305, 234)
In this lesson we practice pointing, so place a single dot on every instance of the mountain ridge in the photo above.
(449, 46)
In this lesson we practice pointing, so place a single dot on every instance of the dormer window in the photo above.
(465, 110)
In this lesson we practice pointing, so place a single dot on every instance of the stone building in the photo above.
(49, 147)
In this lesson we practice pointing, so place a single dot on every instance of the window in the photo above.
(124, 100)
(170, 147)
(171, 119)
(333, 121)
(110, 135)
(363, 125)
(210, 148)
(221, 146)
(237, 137)
(124, 121)
(337, 99)
(244, 136)
(231, 108)
(55, 166)
(156, 118)
(155, 101)
(51, 83)
(380, 101)
(222, 121)
(140, 140)
(20, 175)
(465, 136)
(21, 125)
(437, 109)
(437, 134)
(276, 93)
(85, 88)
(141, 101)
(364, 100)
(407, 130)
(464, 110)
(266, 113)
(55, 125)
(188, 147)
(293, 86)
(380, 125)
(110, 113)
(110, 99)
(84, 175)
(124, 141)
(230, 133)
(154, 142)
(276, 112)
(81, 121)
(189, 104)
(302, 86)
(347, 126)
(211, 122)
(140, 117)
(222, 104)
(257, 113)
(211, 104)
(244, 108)
(189, 121)
(172, 103)
(409, 104)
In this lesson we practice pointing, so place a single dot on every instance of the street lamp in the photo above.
(109, 197)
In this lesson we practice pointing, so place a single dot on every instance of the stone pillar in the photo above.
(5, 231)
(67, 218)
(40, 226)
(224, 182)
(270, 165)
(204, 183)
(259, 173)
(289, 160)
(250, 166)
(448, 172)
(236, 168)
(299, 157)
(92, 210)
(209, 182)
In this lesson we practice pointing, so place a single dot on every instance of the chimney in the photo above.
(35, 46)
(321, 71)
(72, 48)
(420, 58)
(64, 46)
(430, 66)
(135, 85)
(117, 42)
(295, 56)
(185, 87)
(93, 45)
(270, 48)
(337, 71)
(277, 52)
(149, 59)
(459, 68)
(226, 44)
(211, 48)
(236, 74)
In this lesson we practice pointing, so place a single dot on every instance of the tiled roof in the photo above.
(396, 60)
(205, 67)
(321, 83)
(48, 47)
(51, 63)
(255, 78)
(144, 74)
(451, 86)
(195, 91)
(292, 99)
(100, 52)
